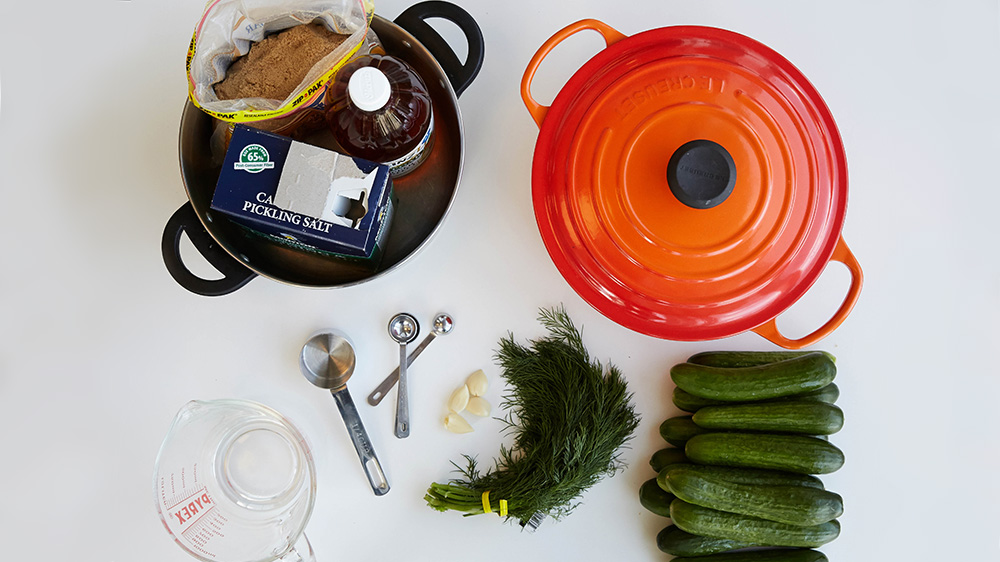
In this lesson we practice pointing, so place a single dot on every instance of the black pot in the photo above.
(425, 195)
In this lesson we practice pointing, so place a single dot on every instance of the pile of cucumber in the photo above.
(741, 474)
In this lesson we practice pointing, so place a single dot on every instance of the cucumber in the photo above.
(793, 416)
(747, 358)
(677, 542)
(655, 498)
(794, 505)
(667, 456)
(739, 475)
(792, 453)
(828, 394)
(691, 403)
(677, 430)
(707, 522)
(805, 373)
(769, 555)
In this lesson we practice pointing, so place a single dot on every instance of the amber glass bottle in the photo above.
(378, 108)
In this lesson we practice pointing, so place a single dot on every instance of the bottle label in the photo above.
(409, 161)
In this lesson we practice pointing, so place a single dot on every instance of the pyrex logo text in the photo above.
(197, 505)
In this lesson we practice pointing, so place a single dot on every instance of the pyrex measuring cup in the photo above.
(234, 482)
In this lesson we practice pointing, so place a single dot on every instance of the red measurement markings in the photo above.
(202, 531)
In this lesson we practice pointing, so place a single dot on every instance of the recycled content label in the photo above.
(254, 158)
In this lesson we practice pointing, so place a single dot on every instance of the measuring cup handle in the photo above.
(842, 254)
(362, 444)
(301, 551)
(536, 109)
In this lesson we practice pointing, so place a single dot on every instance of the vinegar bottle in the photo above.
(378, 108)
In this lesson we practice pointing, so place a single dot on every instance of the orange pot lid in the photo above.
(688, 182)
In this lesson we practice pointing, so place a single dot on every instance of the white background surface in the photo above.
(99, 347)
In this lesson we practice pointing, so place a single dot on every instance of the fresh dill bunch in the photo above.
(570, 418)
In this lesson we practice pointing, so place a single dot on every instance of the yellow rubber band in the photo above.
(486, 505)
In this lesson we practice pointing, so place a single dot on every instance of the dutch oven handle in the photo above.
(537, 110)
(459, 74)
(234, 273)
(842, 254)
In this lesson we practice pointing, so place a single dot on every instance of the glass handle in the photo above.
(301, 551)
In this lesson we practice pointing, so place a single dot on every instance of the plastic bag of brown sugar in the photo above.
(245, 53)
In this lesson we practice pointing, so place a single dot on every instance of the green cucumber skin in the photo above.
(748, 358)
(679, 429)
(707, 522)
(794, 505)
(772, 555)
(654, 498)
(741, 475)
(792, 453)
(690, 403)
(677, 542)
(666, 457)
(806, 373)
(810, 418)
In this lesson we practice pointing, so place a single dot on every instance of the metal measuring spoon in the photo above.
(327, 360)
(403, 328)
(443, 323)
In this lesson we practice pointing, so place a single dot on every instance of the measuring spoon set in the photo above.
(328, 360)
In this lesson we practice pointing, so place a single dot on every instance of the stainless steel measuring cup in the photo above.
(328, 360)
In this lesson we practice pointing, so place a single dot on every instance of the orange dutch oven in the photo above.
(690, 183)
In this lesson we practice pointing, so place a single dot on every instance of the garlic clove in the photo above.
(478, 406)
(477, 383)
(456, 424)
(459, 399)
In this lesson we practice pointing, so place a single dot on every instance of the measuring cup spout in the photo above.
(194, 413)
(191, 409)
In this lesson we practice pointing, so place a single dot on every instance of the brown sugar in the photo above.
(277, 64)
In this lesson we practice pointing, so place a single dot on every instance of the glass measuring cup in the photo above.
(234, 481)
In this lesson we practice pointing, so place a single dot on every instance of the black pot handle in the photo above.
(234, 273)
(460, 75)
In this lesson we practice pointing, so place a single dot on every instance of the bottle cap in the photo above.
(369, 88)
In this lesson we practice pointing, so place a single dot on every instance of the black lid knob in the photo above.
(701, 174)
